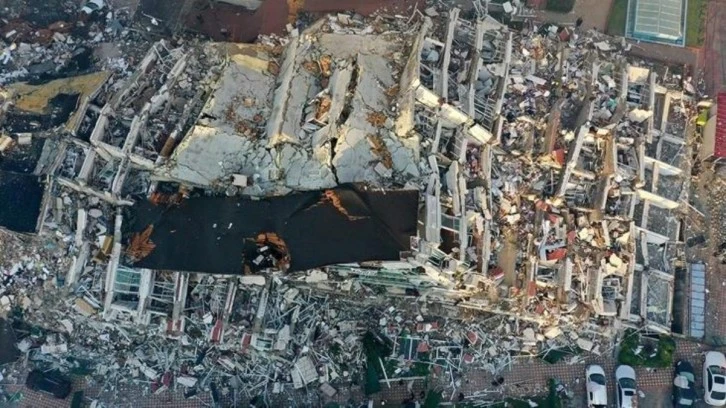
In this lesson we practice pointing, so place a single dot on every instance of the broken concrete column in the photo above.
(625, 308)
(473, 76)
(141, 162)
(442, 86)
(120, 177)
(651, 107)
(218, 330)
(261, 309)
(113, 262)
(176, 325)
(282, 95)
(624, 85)
(86, 167)
(572, 156)
(79, 262)
(145, 287)
(81, 221)
(502, 86)
(105, 196)
(432, 203)
(594, 73)
(666, 108)
(134, 131)
(409, 81)
(99, 130)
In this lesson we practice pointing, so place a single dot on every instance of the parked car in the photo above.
(597, 393)
(92, 6)
(684, 385)
(714, 379)
(50, 382)
(625, 387)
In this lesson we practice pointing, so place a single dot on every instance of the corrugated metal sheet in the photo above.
(719, 148)
(697, 310)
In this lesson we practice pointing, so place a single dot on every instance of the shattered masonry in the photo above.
(529, 179)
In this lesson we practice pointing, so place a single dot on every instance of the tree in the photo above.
(433, 399)
(372, 384)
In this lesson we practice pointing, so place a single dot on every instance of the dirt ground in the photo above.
(666, 53)
(594, 14)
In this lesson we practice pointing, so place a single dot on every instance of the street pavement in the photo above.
(715, 46)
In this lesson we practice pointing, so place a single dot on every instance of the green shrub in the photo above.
(553, 400)
(562, 6)
(433, 399)
(372, 384)
(638, 351)
(375, 349)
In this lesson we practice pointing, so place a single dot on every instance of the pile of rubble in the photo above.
(549, 165)
(63, 42)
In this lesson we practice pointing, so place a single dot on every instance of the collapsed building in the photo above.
(534, 177)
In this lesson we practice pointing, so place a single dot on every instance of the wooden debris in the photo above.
(377, 119)
(311, 67)
(323, 108)
(379, 148)
(325, 62)
(273, 68)
(332, 197)
(158, 198)
(141, 245)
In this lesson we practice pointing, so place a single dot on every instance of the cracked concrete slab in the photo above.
(209, 156)
(231, 102)
(268, 124)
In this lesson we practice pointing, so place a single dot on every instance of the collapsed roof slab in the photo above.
(326, 122)
(223, 143)
(244, 91)
(208, 155)
(361, 142)
(208, 234)
(286, 114)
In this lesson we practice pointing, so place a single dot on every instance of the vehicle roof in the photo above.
(684, 380)
(627, 402)
(687, 393)
(599, 395)
(594, 369)
(683, 366)
(624, 371)
(715, 358)
(719, 387)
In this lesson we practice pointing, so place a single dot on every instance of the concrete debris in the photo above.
(186, 381)
(328, 390)
(550, 165)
